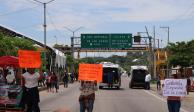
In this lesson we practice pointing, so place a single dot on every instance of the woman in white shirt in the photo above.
(31, 93)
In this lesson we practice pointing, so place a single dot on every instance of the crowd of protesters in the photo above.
(51, 80)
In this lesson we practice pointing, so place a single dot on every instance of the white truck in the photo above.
(137, 76)
(111, 75)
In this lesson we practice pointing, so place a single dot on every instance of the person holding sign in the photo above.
(174, 89)
(31, 93)
(87, 95)
(89, 75)
(30, 60)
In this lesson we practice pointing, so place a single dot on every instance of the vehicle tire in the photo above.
(131, 86)
(100, 87)
(118, 87)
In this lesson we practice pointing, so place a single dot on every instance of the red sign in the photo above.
(90, 72)
(29, 59)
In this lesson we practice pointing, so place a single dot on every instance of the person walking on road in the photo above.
(158, 82)
(48, 82)
(65, 80)
(54, 81)
(188, 85)
(87, 95)
(147, 81)
(31, 93)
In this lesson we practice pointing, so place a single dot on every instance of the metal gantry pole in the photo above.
(168, 41)
(150, 50)
(154, 56)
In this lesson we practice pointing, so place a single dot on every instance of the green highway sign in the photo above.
(106, 41)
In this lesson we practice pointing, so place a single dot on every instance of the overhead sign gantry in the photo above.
(106, 41)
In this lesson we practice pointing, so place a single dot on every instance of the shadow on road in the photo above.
(137, 88)
(112, 89)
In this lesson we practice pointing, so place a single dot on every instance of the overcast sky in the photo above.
(99, 16)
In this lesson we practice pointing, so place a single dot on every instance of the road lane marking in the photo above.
(183, 110)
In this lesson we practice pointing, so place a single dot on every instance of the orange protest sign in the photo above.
(90, 72)
(29, 59)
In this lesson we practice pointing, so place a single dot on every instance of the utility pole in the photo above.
(168, 41)
(154, 48)
(72, 43)
(44, 25)
(150, 50)
(158, 43)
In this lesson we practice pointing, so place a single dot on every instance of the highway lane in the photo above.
(107, 100)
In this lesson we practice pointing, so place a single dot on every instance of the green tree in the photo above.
(11, 45)
(180, 54)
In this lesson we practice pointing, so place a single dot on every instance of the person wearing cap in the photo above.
(31, 94)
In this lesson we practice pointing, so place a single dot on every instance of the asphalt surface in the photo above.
(107, 100)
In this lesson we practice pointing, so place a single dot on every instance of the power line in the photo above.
(33, 2)
(177, 20)
(53, 24)
(55, 27)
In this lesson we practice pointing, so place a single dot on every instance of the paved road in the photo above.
(107, 100)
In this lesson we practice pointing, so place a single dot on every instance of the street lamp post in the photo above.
(72, 39)
(44, 25)
(72, 44)
(168, 40)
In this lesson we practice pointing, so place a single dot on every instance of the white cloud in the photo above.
(94, 12)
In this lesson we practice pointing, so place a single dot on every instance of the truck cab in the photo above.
(111, 75)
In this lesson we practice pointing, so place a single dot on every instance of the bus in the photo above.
(111, 75)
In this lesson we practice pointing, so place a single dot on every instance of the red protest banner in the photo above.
(90, 72)
(29, 59)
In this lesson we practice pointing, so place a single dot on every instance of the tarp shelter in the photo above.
(9, 61)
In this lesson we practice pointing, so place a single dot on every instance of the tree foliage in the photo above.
(181, 53)
(124, 61)
(11, 45)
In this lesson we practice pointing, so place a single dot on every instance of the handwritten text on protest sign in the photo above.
(89, 72)
(174, 87)
(29, 59)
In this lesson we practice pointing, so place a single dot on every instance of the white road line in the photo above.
(183, 110)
